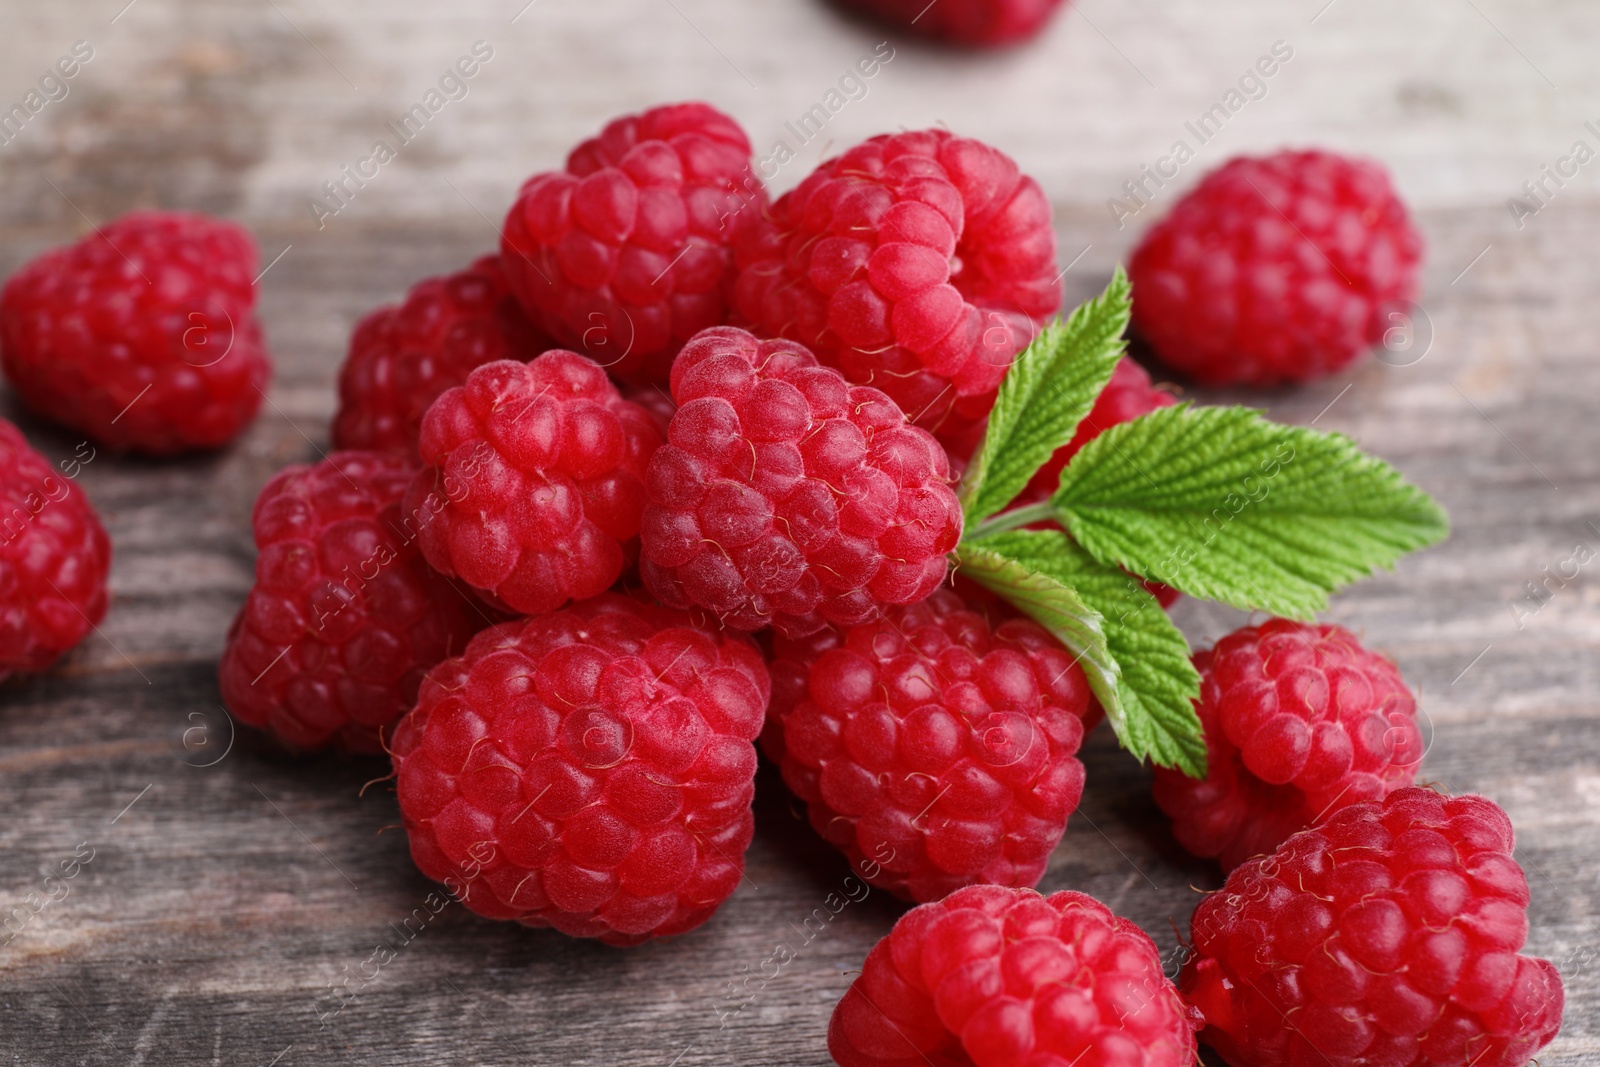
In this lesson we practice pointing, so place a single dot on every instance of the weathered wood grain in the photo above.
(219, 907)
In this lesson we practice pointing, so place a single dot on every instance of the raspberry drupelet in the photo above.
(626, 254)
(919, 263)
(534, 481)
(344, 617)
(785, 496)
(1277, 269)
(54, 556)
(1388, 935)
(404, 355)
(589, 769)
(935, 743)
(142, 335)
(999, 977)
(1299, 721)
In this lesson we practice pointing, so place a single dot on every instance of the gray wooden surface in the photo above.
(224, 901)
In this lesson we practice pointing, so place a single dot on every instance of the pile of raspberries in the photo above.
(668, 479)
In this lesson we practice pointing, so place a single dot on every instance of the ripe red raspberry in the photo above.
(938, 746)
(920, 263)
(143, 335)
(54, 556)
(404, 355)
(625, 254)
(1277, 269)
(535, 481)
(999, 977)
(1386, 935)
(344, 617)
(590, 769)
(1300, 721)
(974, 23)
(786, 496)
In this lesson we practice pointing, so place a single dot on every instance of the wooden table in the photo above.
(231, 888)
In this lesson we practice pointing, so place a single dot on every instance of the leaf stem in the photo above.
(1011, 520)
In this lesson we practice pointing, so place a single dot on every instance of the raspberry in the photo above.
(1277, 269)
(404, 355)
(625, 254)
(1001, 977)
(54, 556)
(786, 496)
(920, 263)
(937, 746)
(535, 481)
(974, 23)
(142, 335)
(344, 617)
(1387, 935)
(1299, 721)
(590, 769)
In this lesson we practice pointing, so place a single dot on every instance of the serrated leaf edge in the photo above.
(1422, 513)
(1111, 310)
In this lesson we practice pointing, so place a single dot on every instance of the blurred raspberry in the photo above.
(625, 255)
(344, 617)
(786, 497)
(1277, 269)
(404, 355)
(535, 481)
(658, 402)
(143, 335)
(919, 263)
(972, 23)
(54, 556)
(590, 769)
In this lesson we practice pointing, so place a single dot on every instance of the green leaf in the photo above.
(1153, 713)
(1045, 395)
(1054, 606)
(1221, 503)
